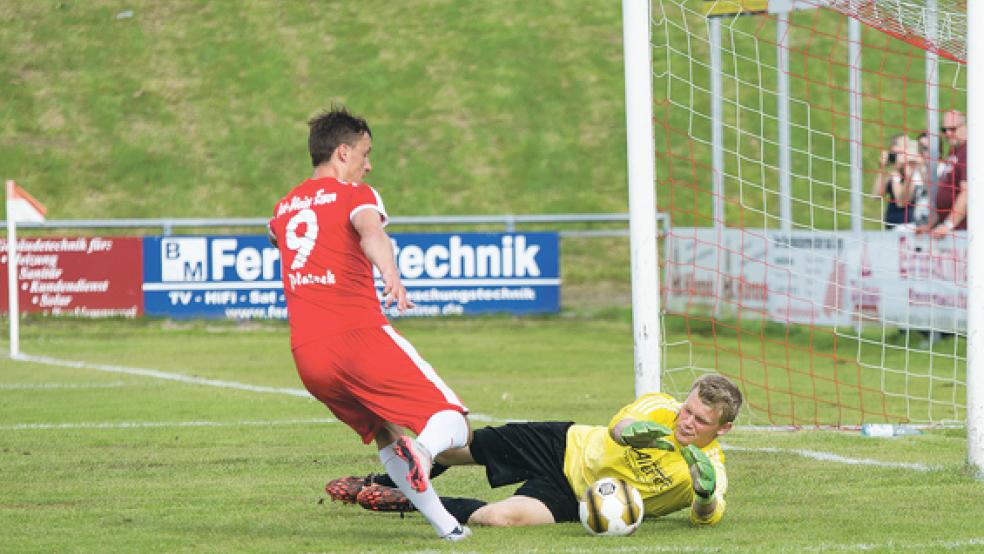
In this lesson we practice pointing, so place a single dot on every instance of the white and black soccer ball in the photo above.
(611, 507)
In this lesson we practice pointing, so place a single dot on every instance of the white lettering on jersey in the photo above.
(298, 279)
(302, 245)
(298, 203)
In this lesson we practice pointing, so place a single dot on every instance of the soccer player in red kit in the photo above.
(329, 230)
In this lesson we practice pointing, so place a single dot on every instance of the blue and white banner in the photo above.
(472, 273)
(234, 277)
(238, 277)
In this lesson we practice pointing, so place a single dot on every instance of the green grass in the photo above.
(250, 484)
(197, 109)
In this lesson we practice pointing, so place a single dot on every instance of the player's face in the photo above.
(698, 423)
(356, 159)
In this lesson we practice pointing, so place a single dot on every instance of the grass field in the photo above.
(196, 437)
(101, 460)
(486, 109)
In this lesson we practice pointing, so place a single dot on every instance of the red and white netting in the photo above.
(935, 25)
(824, 317)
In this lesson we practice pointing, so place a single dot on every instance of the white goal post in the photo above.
(733, 205)
(975, 205)
(641, 151)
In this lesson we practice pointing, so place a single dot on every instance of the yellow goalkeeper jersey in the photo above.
(662, 477)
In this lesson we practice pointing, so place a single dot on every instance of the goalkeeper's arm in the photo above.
(641, 434)
(704, 479)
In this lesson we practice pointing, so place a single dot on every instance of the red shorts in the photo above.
(370, 376)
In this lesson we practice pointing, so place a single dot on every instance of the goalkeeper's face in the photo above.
(698, 423)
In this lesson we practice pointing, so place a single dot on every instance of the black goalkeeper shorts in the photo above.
(530, 452)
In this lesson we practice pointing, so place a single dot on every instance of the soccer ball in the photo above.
(611, 508)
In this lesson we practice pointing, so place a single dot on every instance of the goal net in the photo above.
(771, 119)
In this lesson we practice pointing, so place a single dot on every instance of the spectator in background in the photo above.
(951, 190)
(924, 150)
(921, 205)
(900, 181)
(915, 172)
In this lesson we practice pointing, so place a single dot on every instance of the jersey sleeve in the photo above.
(657, 407)
(713, 518)
(364, 197)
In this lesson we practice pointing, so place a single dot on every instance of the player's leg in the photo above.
(456, 457)
(538, 501)
(393, 380)
(426, 501)
(323, 373)
(515, 511)
(424, 393)
(530, 452)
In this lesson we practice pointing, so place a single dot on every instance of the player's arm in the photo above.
(379, 249)
(641, 434)
(638, 424)
(707, 508)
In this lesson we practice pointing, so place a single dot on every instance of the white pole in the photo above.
(782, 90)
(717, 158)
(975, 230)
(932, 103)
(854, 63)
(641, 149)
(13, 306)
(717, 123)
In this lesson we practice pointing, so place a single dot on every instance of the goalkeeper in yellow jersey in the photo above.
(666, 449)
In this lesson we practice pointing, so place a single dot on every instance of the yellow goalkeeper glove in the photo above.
(647, 434)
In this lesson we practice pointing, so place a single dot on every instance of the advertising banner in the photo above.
(235, 277)
(238, 277)
(820, 278)
(77, 276)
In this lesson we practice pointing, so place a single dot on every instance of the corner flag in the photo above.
(21, 206)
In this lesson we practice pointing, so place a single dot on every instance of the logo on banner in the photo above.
(183, 259)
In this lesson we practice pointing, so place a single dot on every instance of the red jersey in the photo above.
(328, 280)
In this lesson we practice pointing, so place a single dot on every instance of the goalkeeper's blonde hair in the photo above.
(719, 392)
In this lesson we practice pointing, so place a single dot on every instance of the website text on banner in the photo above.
(238, 277)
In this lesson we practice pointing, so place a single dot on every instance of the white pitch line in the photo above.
(31, 386)
(821, 456)
(159, 424)
(828, 457)
(153, 373)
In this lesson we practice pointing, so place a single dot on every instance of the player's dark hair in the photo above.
(719, 392)
(332, 128)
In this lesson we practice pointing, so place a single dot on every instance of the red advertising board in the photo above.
(77, 276)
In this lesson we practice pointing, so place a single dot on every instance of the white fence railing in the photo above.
(508, 222)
